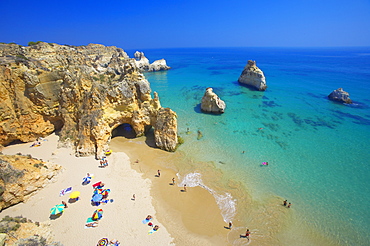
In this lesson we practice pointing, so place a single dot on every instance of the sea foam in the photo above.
(225, 201)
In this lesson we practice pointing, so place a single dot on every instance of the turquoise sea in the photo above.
(318, 151)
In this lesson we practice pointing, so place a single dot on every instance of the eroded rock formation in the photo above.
(340, 95)
(143, 63)
(253, 76)
(21, 176)
(211, 103)
(84, 92)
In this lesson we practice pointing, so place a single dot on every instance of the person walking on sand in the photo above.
(285, 202)
(289, 205)
(230, 225)
(247, 233)
(159, 173)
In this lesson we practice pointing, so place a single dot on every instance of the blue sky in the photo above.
(139, 24)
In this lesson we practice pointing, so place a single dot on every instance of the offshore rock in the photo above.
(253, 76)
(212, 103)
(340, 95)
(143, 63)
(82, 92)
(21, 176)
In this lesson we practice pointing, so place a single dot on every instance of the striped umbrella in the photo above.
(57, 209)
(103, 242)
(98, 214)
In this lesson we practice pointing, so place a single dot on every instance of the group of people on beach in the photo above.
(285, 203)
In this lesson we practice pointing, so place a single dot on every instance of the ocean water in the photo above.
(317, 150)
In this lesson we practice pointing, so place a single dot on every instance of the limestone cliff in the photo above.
(340, 95)
(253, 76)
(212, 103)
(82, 92)
(21, 176)
(143, 63)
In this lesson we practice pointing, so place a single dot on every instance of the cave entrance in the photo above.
(124, 130)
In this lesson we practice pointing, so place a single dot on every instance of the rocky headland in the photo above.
(211, 103)
(80, 92)
(253, 76)
(339, 95)
(144, 66)
(22, 176)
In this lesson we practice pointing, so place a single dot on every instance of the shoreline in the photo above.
(192, 217)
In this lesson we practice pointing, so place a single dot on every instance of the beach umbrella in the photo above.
(57, 209)
(105, 192)
(98, 191)
(74, 194)
(98, 214)
(103, 242)
(97, 197)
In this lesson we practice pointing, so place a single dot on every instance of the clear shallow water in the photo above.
(317, 150)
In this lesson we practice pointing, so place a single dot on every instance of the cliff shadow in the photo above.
(124, 130)
(149, 138)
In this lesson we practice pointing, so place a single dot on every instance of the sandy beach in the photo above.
(122, 218)
(183, 217)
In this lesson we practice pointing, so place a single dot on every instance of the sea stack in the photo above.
(253, 76)
(144, 66)
(211, 103)
(340, 95)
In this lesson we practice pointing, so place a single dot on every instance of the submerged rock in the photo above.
(83, 92)
(340, 95)
(253, 76)
(143, 63)
(212, 103)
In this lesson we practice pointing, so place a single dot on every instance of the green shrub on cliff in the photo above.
(33, 43)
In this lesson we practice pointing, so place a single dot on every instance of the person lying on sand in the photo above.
(92, 224)
(156, 227)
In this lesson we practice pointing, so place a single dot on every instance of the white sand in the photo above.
(122, 219)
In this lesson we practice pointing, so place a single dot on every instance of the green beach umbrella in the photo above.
(57, 209)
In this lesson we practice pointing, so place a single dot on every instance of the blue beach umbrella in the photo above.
(97, 197)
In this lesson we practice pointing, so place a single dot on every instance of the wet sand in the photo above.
(191, 217)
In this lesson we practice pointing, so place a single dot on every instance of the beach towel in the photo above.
(65, 191)
(151, 231)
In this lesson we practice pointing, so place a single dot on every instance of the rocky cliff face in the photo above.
(143, 63)
(21, 176)
(82, 92)
(212, 103)
(253, 76)
(340, 95)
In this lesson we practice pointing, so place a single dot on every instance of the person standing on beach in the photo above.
(159, 173)
(285, 202)
(289, 205)
(230, 225)
(184, 187)
(173, 180)
(133, 197)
